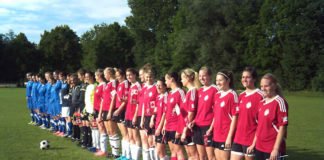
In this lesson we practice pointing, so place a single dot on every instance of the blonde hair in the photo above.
(192, 76)
(274, 81)
(111, 71)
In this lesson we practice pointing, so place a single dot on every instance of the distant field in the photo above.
(19, 141)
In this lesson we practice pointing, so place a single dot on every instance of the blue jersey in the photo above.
(34, 94)
(41, 97)
(55, 98)
(47, 96)
(29, 87)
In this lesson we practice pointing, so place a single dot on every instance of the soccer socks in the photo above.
(127, 149)
(135, 151)
(89, 139)
(63, 124)
(146, 154)
(115, 144)
(103, 142)
(95, 138)
(153, 154)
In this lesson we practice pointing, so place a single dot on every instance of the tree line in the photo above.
(282, 37)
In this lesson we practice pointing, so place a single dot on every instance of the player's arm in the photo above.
(280, 137)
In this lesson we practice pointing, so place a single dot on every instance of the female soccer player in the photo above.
(189, 79)
(149, 97)
(41, 99)
(109, 104)
(247, 116)
(97, 105)
(158, 118)
(131, 113)
(175, 98)
(29, 86)
(119, 113)
(204, 116)
(272, 121)
(88, 110)
(225, 115)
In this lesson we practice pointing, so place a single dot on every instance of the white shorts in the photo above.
(65, 111)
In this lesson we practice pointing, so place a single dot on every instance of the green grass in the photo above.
(21, 141)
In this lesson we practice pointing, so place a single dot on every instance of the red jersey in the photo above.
(272, 114)
(161, 107)
(225, 107)
(122, 92)
(204, 116)
(108, 92)
(175, 98)
(97, 98)
(132, 100)
(247, 117)
(141, 100)
(189, 105)
(149, 98)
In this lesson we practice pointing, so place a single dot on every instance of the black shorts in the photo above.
(220, 146)
(160, 139)
(188, 141)
(72, 110)
(170, 135)
(138, 122)
(85, 117)
(120, 118)
(104, 115)
(95, 114)
(129, 124)
(147, 120)
(200, 138)
(239, 149)
(259, 155)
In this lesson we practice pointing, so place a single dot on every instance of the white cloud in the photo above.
(32, 17)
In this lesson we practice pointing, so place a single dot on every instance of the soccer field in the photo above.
(18, 140)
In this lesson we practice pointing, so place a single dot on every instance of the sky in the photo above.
(33, 17)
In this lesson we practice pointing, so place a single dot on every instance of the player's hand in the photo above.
(151, 123)
(250, 149)
(116, 113)
(228, 144)
(109, 116)
(177, 135)
(134, 120)
(274, 154)
(157, 132)
(183, 137)
(191, 124)
(142, 124)
(208, 132)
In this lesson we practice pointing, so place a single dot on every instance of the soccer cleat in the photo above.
(100, 154)
(61, 134)
(31, 122)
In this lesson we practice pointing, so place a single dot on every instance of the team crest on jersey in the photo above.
(134, 92)
(171, 100)
(266, 112)
(248, 105)
(150, 94)
(119, 89)
(97, 90)
(199, 96)
(184, 100)
(241, 101)
(222, 104)
(206, 98)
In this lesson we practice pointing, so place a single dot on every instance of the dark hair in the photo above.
(252, 71)
(162, 79)
(228, 75)
(132, 70)
(175, 77)
(120, 71)
(111, 71)
(62, 74)
(81, 71)
(207, 69)
(91, 74)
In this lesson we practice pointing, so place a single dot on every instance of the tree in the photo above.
(61, 49)
(107, 45)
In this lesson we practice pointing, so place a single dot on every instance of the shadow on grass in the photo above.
(296, 153)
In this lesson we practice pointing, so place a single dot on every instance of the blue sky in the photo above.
(33, 17)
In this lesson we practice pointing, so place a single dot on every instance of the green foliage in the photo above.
(107, 45)
(61, 49)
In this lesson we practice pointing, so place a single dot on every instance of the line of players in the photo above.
(208, 122)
